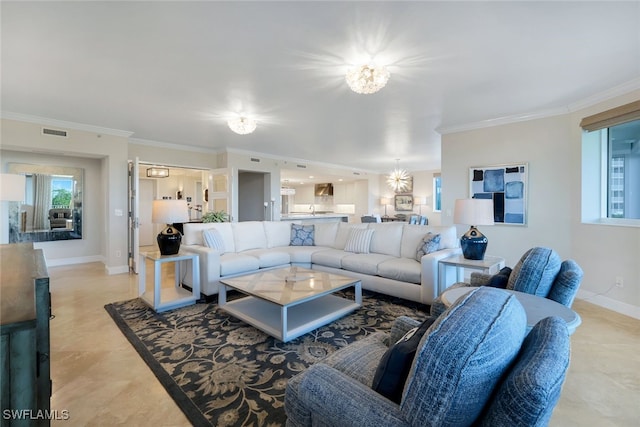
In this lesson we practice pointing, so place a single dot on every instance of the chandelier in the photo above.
(367, 78)
(398, 179)
(242, 125)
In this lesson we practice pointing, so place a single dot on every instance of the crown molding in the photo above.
(64, 124)
(174, 146)
(616, 91)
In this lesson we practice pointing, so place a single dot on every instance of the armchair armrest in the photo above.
(338, 399)
(480, 279)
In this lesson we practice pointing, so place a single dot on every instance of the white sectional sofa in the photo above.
(390, 267)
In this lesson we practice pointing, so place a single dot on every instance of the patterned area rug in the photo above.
(223, 372)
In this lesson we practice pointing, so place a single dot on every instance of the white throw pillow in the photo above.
(213, 239)
(359, 241)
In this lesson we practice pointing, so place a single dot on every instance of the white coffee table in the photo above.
(289, 302)
(536, 308)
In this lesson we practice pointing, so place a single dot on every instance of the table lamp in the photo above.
(169, 211)
(384, 201)
(420, 201)
(473, 212)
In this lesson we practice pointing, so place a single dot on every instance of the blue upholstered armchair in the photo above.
(540, 272)
(473, 365)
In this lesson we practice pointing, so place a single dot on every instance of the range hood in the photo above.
(324, 189)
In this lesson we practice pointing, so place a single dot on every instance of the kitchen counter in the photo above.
(320, 217)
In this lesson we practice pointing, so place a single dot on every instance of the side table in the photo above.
(536, 308)
(169, 298)
(489, 265)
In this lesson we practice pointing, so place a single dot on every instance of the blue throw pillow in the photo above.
(395, 364)
(302, 235)
(429, 243)
(501, 279)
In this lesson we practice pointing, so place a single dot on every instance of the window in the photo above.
(437, 189)
(61, 191)
(611, 145)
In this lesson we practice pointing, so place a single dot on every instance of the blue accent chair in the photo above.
(540, 271)
(473, 366)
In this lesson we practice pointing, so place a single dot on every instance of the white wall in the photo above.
(552, 148)
(110, 150)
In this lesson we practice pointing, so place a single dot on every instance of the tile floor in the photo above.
(100, 379)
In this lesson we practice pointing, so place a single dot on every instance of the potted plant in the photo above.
(214, 216)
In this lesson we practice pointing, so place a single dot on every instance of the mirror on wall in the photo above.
(52, 207)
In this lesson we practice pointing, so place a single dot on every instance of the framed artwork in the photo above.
(403, 202)
(506, 185)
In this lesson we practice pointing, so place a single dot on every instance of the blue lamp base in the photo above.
(474, 244)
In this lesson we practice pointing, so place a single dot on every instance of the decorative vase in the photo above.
(474, 244)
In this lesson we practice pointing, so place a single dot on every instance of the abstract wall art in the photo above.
(506, 185)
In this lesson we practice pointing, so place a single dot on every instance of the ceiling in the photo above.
(174, 72)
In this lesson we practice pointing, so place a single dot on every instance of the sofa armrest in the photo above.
(335, 398)
(209, 260)
(429, 275)
(401, 326)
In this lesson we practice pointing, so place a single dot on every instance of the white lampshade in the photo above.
(473, 212)
(384, 201)
(420, 201)
(12, 187)
(169, 211)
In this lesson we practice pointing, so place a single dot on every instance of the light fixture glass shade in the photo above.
(399, 180)
(367, 78)
(157, 172)
(12, 187)
(169, 211)
(242, 125)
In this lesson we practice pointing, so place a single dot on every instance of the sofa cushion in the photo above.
(386, 238)
(531, 390)
(364, 263)
(342, 234)
(213, 239)
(277, 232)
(402, 269)
(413, 234)
(249, 235)
(477, 339)
(233, 263)
(302, 235)
(302, 254)
(329, 257)
(359, 241)
(396, 362)
(325, 233)
(535, 272)
(429, 243)
(269, 257)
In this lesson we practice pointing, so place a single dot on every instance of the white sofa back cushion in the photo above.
(386, 239)
(193, 234)
(325, 233)
(343, 233)
(278, 233)
(249, 235)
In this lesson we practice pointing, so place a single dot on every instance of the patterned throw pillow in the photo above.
(213, 239)
(430, 243)
(302, 235)
(359, 241)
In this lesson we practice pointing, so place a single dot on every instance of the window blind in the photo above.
(615, 116)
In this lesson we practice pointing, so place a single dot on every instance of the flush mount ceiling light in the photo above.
(398, 179)
(157, 173)
(242, 125)
(367, 78)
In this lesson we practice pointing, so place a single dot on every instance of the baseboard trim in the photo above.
(57, 262)
(119, 269)
(609, 303)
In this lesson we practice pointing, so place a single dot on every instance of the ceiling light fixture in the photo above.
(398, 179)
(242, 125)
(367, 78)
